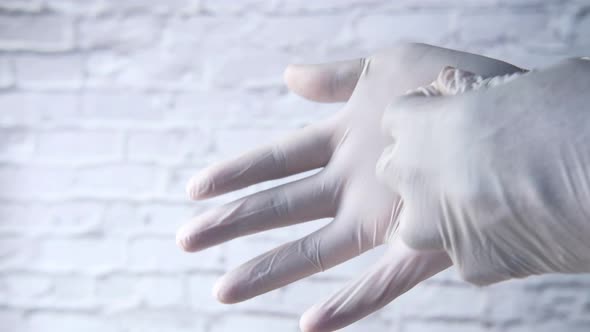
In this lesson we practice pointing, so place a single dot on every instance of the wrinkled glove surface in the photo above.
(346, 147)
(498, 177)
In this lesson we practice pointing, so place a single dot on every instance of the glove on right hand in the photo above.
(498, 177)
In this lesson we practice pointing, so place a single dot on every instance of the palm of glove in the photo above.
(347, 146)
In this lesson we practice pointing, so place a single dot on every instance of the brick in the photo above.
(209, 110)
(122, 218)
(302, 34)
(6, 72)
(200, 293)
(21, 5)
(557, 281)
(234, 7)
(16, 217)
(71, 292)
(523, 27)
(558, 304)
(53, 292)
(119, 107)
(152, 6)
(34, 181)
(52, 218)
(161, 291)
(255, 323)
(175, 187)
(112, 180)
(172, 67)
(522, 56)
(152, 320)
(16, 252)
(227, 144)
(146, 219)
(204, 33)
(33, 108)
(509, 302)
(63, 71)
(249, 68)
(74, 7)
(116, 32)
(12, 320)
(105, 64)
(92, 255)
(370, 323)
(18, 144)
(380, 31)
(86, 146)
(18, 288)
(327, 6)
(550, 326)
(581, 23)
(69, 322)
(164, 255)
(166, 147)
(19, 109)
(37, 33)
(166, 219)
(443, 326)
(117, 292)
(292, 112)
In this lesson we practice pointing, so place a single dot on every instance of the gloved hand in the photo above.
(347, 145)
(498, 177)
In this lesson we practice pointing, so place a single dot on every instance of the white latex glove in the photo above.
(499, 177)
(347, 146)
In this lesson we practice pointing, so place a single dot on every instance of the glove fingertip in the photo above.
(308, 321)
(198, 187)
(225, 292)
(317, 319)
(184, 240)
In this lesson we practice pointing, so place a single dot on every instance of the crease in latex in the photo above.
(393, 226)
(231, 216)
(259, 271)
(207, 185)
(342, 139)
(452, 81)
(384, 282)
(240, 214)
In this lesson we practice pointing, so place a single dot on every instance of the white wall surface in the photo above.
(107, 107)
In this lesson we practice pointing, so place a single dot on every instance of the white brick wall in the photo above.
(108, 106)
